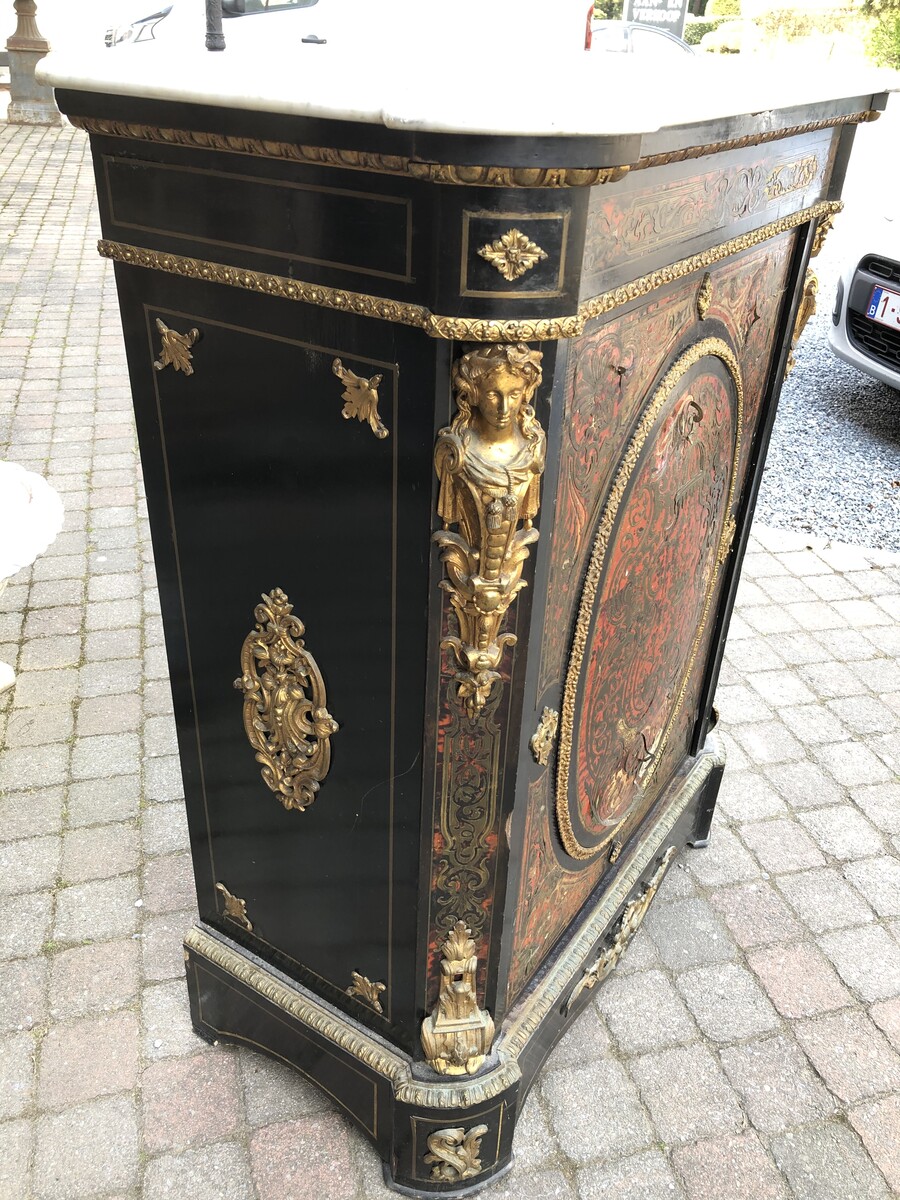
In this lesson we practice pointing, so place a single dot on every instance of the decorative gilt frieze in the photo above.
(544, 736)
(704, 296)
(455, 1153)
(360, 398)
(235, 909)
(457, 1036)
(437, 325)
(176, 348)
(513, 254)
(804, 312)
(366, 990)
(628, 926)
(792, 177)
(285, 714)
(489, 462)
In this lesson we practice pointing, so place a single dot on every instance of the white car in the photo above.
(183, 21)
(865, 322)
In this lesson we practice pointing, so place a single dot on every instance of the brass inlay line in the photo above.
(472, 329)
(431, 172)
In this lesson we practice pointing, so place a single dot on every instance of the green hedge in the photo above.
(723, 8)
(790, 23)
(608, 10)
(884, 41)
(696, 27)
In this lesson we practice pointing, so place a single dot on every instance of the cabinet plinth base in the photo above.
(441, 1135)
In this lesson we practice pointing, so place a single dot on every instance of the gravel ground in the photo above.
(834, 461)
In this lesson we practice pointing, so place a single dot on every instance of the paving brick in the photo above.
(26, 921)
(752, 654)
(613, 1124)
(88, 1059)
(770, 618)
(586, 1039)
(39, 726)
(687, 1094)
(755, 914)
(50, 653)
(724, 1167)
(99, 852)
(161, 945)
(879, 674)
(736, 703)
(168, 883)
(38, 688)
(99, 910)
(867, 959)
(824, 901)
(33, 767)
(852, 1056)
(112, 644)
(852, 764)
(779, 688)
(27, 814)
(109, 714)
(164, 829)
(644, 1012)
(827, 1162)
(726, 1002)
(158, 698)
(16, 1139)
(47, 622)
(832, 679)
(29, 865)
(23, 994)
(776, 1084)
(323, 1170)
(877, 1124)
(190, 1101)
(100, 801)
(842, 832)
(886, 1015)
(804, 785)
(109, 678)
(724, 861)
(688, 933)
(166, 1020)
(768, 742)
(645, 1176)
(846, 645)
(749, 796)
(799, 979)
(274, 1092)
(781, 845)
(17, 1051)
(879, 881)
(162, 779)
(96, 978)
(86, 1152)
(102, 756)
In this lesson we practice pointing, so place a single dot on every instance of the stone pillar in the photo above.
(30, 103)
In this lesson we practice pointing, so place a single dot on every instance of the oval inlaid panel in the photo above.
(664, 532)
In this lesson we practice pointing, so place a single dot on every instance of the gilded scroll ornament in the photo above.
(804, 312)
(235, 908)
(823, 227)
(704, 296)
(628, 926)
(792, 177)
(360, 398)
(176, 348)
(457, 1036)
(544, 736)
(455, 1153)
(285, 717)
(489, 462)
(366, 990)
(513, 254)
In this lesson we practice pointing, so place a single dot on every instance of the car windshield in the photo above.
(242, 8)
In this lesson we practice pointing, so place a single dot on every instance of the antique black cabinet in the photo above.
(451, 444)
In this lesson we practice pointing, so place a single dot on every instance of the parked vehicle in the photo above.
(865, 322)
(179, 20)
(628, 37)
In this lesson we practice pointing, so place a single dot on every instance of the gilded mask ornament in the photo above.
(285, 717)
(489, 462)
(458, 1034)
(176, 348)
(513, 254)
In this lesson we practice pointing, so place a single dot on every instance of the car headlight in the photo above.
(124, 33)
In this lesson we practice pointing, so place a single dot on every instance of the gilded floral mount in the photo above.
(489, 462)
(457, 1036)
(285, 716)
(455, 1153)
(513, 254)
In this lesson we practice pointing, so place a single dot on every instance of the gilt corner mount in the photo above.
(489, 462)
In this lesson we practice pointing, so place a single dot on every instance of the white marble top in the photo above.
(487, 75)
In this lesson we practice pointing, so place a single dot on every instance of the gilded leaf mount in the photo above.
(235, 909)
(544, 736)
(457, 1036)
(455, 1153)
(366, 990)
(285, 715)
(513, 254)
(489, 462)
(360, 398)
(176, 348)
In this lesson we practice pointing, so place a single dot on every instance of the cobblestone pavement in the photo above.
(747, 1046)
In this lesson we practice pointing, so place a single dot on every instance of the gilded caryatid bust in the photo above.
(489, 462)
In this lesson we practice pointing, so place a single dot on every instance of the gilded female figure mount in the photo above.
(489, 461)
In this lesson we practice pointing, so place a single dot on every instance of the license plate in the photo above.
(884, 307)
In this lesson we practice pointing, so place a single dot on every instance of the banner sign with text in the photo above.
(661, 14)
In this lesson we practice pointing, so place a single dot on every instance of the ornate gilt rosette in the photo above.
(458, 1034)
(285, 716)
(513, 254)
(489, 462)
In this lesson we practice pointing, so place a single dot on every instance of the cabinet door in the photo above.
(299, 711)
